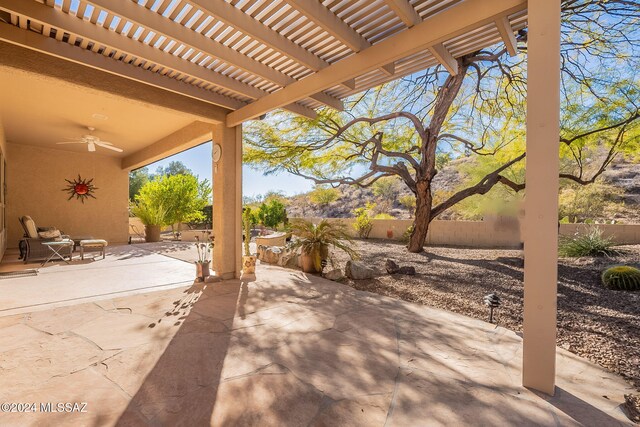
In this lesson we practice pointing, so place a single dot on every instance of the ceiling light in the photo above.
(99, 116)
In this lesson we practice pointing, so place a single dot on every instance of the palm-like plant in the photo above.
(315, 239)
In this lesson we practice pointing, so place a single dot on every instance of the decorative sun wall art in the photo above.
(80, 188)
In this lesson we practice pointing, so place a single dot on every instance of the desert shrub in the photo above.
(363, 223)
(407, 234)
(590, 243)
(408, 201)
(622, 277)
(582, 203)
(387, 188)
(383, 216)
(322, 196)
(272, 213)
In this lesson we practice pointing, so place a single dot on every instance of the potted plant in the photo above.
(204, 250)
(315, 240)
(248, 260)
(152, 216)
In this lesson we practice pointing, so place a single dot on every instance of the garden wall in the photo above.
(494, 232)
(35, 181)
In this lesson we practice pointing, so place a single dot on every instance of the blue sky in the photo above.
(198, 159)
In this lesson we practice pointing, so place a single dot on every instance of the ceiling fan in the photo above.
(91, 142)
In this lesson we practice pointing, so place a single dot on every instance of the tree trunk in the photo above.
(422, 217)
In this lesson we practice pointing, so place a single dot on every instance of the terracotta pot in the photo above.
(152, 233)
(249, 264)
(202, 270)
(307, 260)
(389, 234)
(307, 263)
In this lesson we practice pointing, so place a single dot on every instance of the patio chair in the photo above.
(32, 246)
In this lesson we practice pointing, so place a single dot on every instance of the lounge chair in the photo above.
(34, 237)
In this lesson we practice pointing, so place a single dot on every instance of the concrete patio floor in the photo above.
(59, 284)
(284, 349)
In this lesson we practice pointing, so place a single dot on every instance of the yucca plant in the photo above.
(315, 240)
(622, 277)
(591, 243)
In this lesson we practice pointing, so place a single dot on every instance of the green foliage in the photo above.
(443, 159)
(388, 188)
(316, 239)
(322, 196)
(207, 217)
(182, 196)
(622, 278)
(408, 201)
(590, 243)
(580, 203)
(137, 179)
(272, 213)
(173, 168)
(149, 213)
(247, 221)
(363, 223)
(407, 234)
(384, 216)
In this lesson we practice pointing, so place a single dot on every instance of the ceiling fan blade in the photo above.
(109, 147)
(100, 142)
(70, 142)
(91, 146)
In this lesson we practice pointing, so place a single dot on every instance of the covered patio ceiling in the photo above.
(252, 56)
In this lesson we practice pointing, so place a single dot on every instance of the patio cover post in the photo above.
(227, 202)
(541, 200)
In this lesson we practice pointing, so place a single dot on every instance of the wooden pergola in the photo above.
(244, 58)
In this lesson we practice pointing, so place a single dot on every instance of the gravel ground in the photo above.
(593, 322)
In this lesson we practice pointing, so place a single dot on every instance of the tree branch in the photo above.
(482, 187)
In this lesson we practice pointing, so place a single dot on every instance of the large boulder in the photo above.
(358, 271)
(335, 275)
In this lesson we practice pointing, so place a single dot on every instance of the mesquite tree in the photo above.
(400, 128)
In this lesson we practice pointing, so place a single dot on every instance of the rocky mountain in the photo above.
(621, 174)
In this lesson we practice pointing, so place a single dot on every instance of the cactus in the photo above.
(622, 277)
(246, 222)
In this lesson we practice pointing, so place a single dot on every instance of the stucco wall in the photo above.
(3, 233)
(36, 177)
(498, 232)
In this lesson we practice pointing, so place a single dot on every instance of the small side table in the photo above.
(56, 247)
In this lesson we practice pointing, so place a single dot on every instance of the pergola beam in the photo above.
(315, 11)
(388, 69)
(191, 39)
(187, 137)
(443, 26)
(236, 18)
(46, 45)
(70, 24)
(404, 11)
(506, 33)
(349, 84)
(445, 58)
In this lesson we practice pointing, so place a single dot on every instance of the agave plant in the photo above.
(315, 239)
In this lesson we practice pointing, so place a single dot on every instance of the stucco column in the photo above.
(227, 202)
(541, 199)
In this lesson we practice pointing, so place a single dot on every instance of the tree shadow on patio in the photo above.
(292, 349)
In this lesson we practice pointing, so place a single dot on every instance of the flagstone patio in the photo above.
(282, 349)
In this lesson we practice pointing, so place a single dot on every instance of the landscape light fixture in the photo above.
(492, 301)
